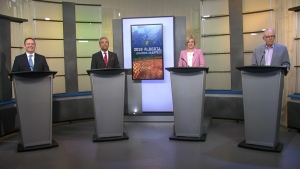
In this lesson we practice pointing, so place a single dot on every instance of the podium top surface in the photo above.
(187, 69)
(32, 74)
(108, 71)
(262, 69)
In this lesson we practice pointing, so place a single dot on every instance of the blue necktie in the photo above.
(30, 62)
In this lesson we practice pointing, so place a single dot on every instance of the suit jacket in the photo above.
(98, 61)
(280, 56)
(198, 59)
(21, 63)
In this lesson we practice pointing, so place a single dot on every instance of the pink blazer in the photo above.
(198, 59)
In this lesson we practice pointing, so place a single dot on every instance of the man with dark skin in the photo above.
(104, 58)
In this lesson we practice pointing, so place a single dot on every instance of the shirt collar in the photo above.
(104, 51)
(30, 54)
(269, 47)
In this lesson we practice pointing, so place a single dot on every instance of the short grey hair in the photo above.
(269, 29)
(103, 38)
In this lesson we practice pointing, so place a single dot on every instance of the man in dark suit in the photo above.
(104, 58)
(30, 61)
(271, 53)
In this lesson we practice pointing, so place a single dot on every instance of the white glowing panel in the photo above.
(156, 94)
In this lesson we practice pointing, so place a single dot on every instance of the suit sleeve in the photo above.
(93, 63)
(45, 65)
(116, 62)
(201, 58)
(286, 59)
(15, 67)
(254, 59)
(180, 61)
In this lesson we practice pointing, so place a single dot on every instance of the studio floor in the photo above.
(149, 147)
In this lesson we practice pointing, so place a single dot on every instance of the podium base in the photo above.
(103, 139)
(277, 148)
(21, 148)
(180, 138)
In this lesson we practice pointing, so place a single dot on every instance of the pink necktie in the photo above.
(105, 59)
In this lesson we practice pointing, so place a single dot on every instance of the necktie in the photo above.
(30, 62)
(105, 59)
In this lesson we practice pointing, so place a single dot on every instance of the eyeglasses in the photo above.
(270, 37)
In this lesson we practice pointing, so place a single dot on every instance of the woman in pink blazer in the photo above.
(191, 57)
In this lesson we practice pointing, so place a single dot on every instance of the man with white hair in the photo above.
(271, 53)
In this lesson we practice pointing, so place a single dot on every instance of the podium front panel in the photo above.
(188, 102)
(262, 95)
(34, 105)
(108, 99)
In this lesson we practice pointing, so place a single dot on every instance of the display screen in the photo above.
(147, 52)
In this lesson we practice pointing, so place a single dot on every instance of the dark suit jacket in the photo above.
(98, 61)
(21, 63)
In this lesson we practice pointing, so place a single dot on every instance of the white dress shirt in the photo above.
(190, 56)
(268, 55)
(31, 57)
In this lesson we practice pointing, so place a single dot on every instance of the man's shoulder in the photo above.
(38, 55)
(21, 55)
(113, 53)
(277, 45)
(259, 48)
(97, 53)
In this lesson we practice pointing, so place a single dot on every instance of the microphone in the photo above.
(185, 62)
(262, 58)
